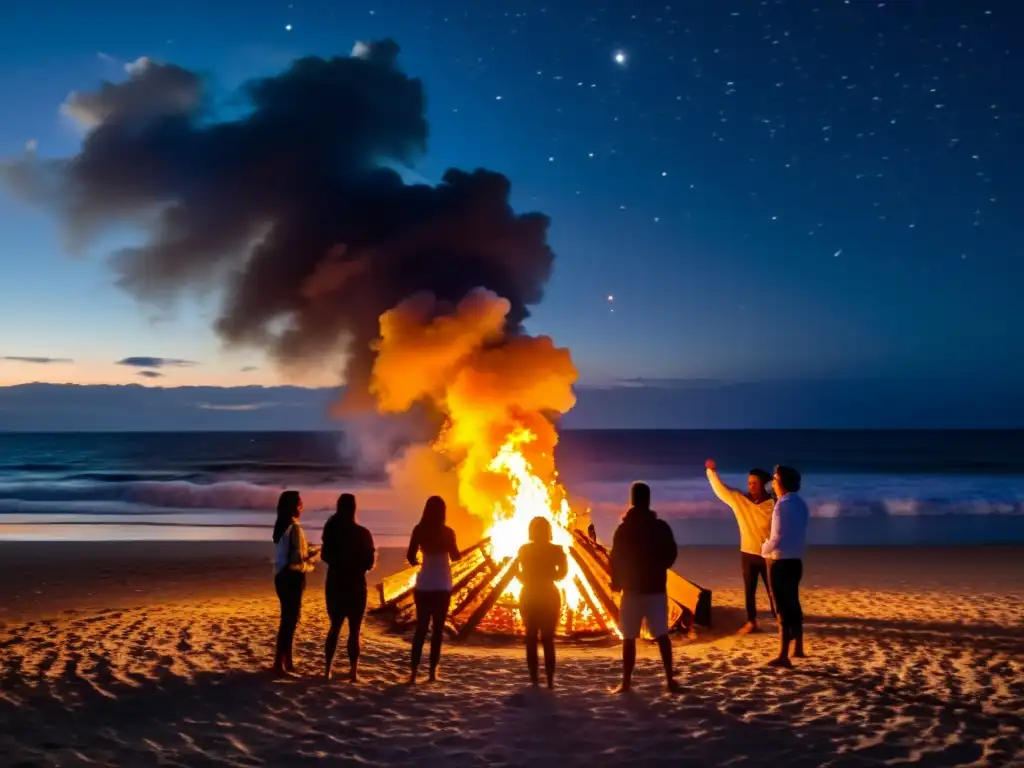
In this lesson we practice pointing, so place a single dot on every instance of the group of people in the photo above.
(773, 538)
(772, 541)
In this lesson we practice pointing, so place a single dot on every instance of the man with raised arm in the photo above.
(753, 511)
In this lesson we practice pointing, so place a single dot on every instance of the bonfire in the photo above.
(500, 394)
(485, 590)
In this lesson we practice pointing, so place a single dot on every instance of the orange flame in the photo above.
(498, 395)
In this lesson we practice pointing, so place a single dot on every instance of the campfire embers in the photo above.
(484, 595)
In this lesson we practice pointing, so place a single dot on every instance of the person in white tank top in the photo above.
(435, 541)
(293, 559)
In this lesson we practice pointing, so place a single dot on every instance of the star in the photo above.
(620, 58)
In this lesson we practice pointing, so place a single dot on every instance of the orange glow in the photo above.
(498, 395)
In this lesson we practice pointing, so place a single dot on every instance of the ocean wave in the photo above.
(828, 496)
(175, 494)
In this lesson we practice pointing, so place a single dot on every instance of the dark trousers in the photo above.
(754, 568)
(290, 586)
(344, 602)
(784, 577)
(431, 611)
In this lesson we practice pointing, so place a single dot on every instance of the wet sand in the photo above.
(156, 654)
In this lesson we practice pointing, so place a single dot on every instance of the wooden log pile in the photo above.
(480, 602)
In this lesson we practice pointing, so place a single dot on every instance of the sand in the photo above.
(156, 654)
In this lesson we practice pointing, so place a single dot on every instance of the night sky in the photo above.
(767, 189)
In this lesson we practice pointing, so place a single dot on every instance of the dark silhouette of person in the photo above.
(348, 550)
(784, 552)
(753, 511)
(592, 533)
(433, 591)
(293, 559)
(643, 549)
(540, 565)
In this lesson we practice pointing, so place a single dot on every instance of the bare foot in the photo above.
(799, 654)
(328, 675)
(412, 677)
(622, 688)
(781, 663)
(353, 678)
(551, 685)
(691, 634)
(749, 628)
(280, 673)
(671, 686)
(433, 677)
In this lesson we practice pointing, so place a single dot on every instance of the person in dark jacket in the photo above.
(643, 549)
(348, 550)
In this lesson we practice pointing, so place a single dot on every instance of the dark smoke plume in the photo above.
(286, 209)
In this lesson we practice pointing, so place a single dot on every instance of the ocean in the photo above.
(864, 488)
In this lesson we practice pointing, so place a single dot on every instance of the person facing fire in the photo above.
(433, 591)
(541, 565)
(348, 550)
(643, 549)
(753, 511)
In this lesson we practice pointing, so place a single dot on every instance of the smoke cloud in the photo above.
(487, 382)
(286, 211)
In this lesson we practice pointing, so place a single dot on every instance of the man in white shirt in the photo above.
(753, 512)
(784, 552)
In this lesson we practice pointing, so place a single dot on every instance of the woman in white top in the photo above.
(293, 559)
(433, 590)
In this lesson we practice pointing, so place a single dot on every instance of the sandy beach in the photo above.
(156, 654)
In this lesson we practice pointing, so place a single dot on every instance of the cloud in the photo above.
(37, 360)
(151, 90)
(235, 407)
(150, 374)
(156, 362)
(288, 208)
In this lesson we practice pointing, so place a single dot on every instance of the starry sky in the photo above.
(769, 190)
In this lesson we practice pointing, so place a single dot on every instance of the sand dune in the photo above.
(913, 672)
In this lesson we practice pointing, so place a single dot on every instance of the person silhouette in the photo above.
(293, 559)
(643, 549)
(433, 590)
(348, 550)
(540, 565)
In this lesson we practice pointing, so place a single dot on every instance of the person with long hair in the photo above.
(541, 565)
(348, 550)
(293, 559)
(433, 590)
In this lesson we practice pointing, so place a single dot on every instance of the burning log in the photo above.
(485, 595)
